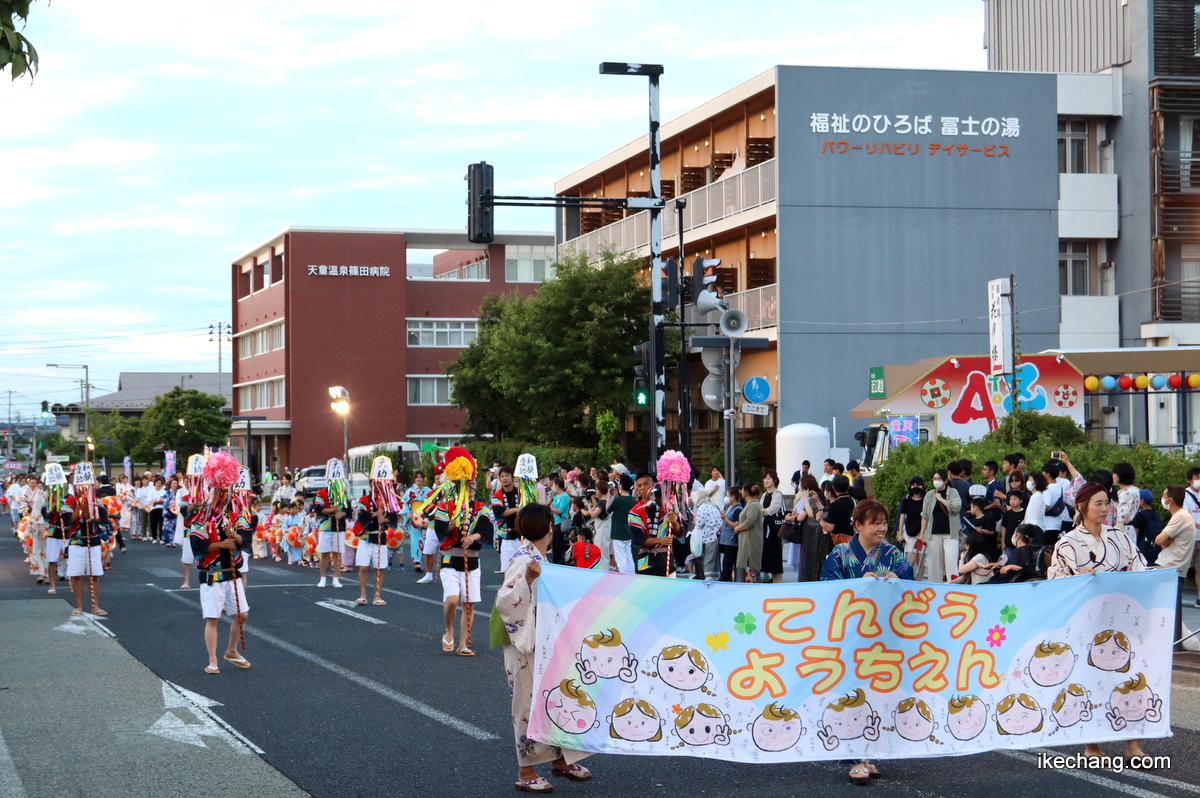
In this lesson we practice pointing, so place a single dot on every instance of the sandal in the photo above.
(51, 591)
(466, 652)
(97, 612)
(860, 773)
(360, 601)
(379, 603)
(238, 661)
(874, 771)
(447, 646)
(211, 670)
(575, 772)
(185, 586)
(535, 785)
(76, 613)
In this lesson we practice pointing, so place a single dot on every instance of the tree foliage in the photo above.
(16, 51)
(203, 423)
(544, 367)
(126, 431)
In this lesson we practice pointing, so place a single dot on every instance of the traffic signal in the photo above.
(671, 292)
(704, 299)
(642, 370)
(45, 409)
(641, 394)
(480, 179)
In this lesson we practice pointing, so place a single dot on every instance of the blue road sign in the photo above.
(757, 390)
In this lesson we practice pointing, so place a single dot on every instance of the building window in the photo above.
(277, 392)
(430, 390)
(259, 342)
(442, 333)
(1073, 268)
(528, 263)
(246, 398)
(245, 347)
(1072, 146)
(476, 271)
(262, 395)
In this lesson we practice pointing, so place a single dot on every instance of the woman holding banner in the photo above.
(867, 554)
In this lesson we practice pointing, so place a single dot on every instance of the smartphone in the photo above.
(1056, 455)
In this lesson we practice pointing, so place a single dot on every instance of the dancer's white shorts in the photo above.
(452, 584)
(228, 597)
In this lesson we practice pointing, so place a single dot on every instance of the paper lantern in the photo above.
(1090, 383)
(1158, 382)
(1141, 382)
(1125, 382)
(1175, 381)
(1193, 381)
(1108, 383)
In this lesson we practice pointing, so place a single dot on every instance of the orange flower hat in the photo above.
(460, 465)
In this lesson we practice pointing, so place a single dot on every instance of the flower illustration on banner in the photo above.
(996, 636)
(743, 622)
(718, 641)
(676, 709)
(1008, 613)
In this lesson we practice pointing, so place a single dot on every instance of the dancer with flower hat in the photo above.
(377, 510)
(462, 525)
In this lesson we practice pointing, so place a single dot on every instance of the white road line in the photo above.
(247, 587)
(1185, 687)
(420, 707)
(165, 573)
(10, 779)
(1089, 776)
(329, 605)
(428, 600)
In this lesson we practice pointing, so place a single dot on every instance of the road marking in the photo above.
(1185, 687)
(247, 587)
(165, 573)
(420, 707)
(211, 725)
(345, 608)
(82, 624)
(428, 600)
(1087, 775)
(10, 779)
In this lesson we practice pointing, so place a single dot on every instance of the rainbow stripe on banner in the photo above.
(838, 670)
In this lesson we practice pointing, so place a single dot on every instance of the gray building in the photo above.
(136, 391)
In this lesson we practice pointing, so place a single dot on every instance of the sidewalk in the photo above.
(79, 715)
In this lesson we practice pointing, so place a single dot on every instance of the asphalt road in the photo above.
(345, 707)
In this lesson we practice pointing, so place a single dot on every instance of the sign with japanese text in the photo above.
(904, 429)
(850, 669)
(324, 270)
(1000, 350)
(968, 402)
(878, 387)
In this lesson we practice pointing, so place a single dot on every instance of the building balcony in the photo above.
(1178, 302)
(1089, 322)
(725, 198)
(1087, 206)
(761, 306)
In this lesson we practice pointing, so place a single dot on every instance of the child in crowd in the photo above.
(1014, 516)
(275, 530)
(259, 540)
(1020, 566)
(1148, 524)
(308, 527)
(983, 522)
(975, 566)
(584, 553)
(291, 530)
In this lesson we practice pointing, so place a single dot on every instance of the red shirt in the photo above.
(584, 554)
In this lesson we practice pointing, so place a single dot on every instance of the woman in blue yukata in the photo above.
(867, 554)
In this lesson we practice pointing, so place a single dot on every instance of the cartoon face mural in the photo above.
(570, 709)
(1051, 663)
(1133, 701)
(1018, 714)
(702, 724)
(1110, 651)
(914, 720)
(683, 668)
(776, 729)
(848, 718)
(604, 656)
(636, 721)
(1071, 706)
(966, 717)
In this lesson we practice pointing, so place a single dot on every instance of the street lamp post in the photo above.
(658, 439)
(249, 440)
(87, 387)
(341, 406)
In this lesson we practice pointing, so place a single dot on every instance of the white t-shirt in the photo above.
(719, 484)
(143, 498)
(1051, 495)
(1191, 503)
(983, 570)
(1181, 528)
(1035, 513)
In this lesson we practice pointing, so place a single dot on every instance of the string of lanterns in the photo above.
(1141, 382)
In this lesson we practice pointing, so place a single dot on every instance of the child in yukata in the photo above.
(1110, 651)
(604, 656)
(571, 709)
(1051, 663)
(776, 729)
(1133, 701)
(1071, 706)
(683, 668)
(636, 721)
(966, 716)
(1019, 714)
(848, 718)
(914, 720)
(702, 724)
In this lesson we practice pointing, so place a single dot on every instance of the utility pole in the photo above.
(9, 451)
(217, 332)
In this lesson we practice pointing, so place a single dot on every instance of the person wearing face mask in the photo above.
(1035, 508)
(1191, 502)
(1177, 540)
(908, 524)
(940, 525)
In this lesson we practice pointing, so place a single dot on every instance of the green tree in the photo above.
(15, 50)
(57, 443)
(545, 367)
(203, 423)
(126, 431)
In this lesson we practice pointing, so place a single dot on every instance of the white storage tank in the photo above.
(796, 443)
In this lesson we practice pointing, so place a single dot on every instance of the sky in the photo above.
(161, 140)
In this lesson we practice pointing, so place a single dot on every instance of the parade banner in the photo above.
(848, 669)
(169, 467)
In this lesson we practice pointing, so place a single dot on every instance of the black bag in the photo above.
(814, 549)
(794, 533)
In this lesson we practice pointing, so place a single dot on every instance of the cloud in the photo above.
(390, 180)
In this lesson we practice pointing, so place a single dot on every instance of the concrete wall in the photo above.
(873, 247)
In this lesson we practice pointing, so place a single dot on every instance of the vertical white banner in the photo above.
(1000, 344)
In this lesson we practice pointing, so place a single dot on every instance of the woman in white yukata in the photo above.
(516, 604)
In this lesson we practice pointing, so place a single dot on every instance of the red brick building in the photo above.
(317, 307)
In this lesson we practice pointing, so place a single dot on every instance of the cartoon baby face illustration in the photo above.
(848, 718)
(1018, 714)
(914, 721)
(1110, 651)
(1133, 701)
(966, 717)
(1071, 706)
(682, 667)
(1051, 663)
(604, 656)
(635, 720)
(702, 724)
(776, 729)
(570, 709)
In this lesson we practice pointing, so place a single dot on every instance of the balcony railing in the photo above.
(746, 189)
(1177, 172)
(1179, 302)
(761, 306)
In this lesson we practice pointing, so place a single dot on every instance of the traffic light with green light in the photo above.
(641, 393)
(45, 409)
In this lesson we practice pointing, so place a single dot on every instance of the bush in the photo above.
(548, 457)
(746, 454)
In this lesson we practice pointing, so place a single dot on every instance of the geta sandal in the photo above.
(447, 646)
(466, 652)
(534, 785)
(211, 670)
(575, 772)
(238, 661)
(360, 601)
